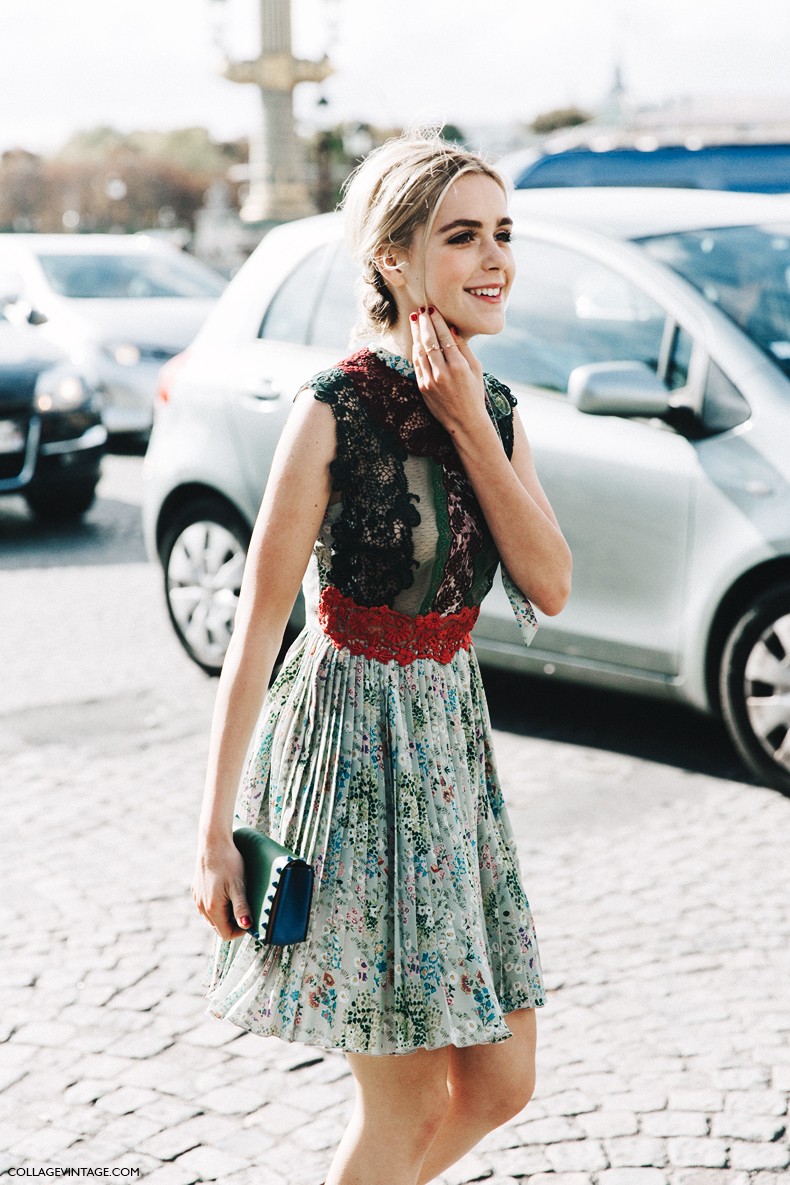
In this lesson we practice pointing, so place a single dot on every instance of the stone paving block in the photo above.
(210, 1163)
(560, 1179)
(233, 1100)
(635, 1152)
(569, 1102)
(250, 1143)
(764, 1128)
(131, 1130)
(638, 1100)
(125, 1099)
(751, 1155)
(780, 1078)
(675, 1123)
(175, 1140)
(140, 1045)
(277, 1119)
(553, 1130)
(711, 1177)
(168, 1110)
(11, 1075)
(173, 1174)
(740, 1077)
(696, 1100)
(42, 1144)
(632, 1176)
(757, 1102)
(691, 1153)
(609, 1123)
(45, 1033)
(213, 1034)
(325, 1133)
(582, 1156)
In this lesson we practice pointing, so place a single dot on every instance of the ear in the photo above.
(392, 263)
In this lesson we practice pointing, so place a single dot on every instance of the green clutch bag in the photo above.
(279, 887)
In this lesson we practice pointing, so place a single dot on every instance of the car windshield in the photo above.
(745, 270)
(129, 276)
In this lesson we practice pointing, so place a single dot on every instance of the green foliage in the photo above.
(559, 117)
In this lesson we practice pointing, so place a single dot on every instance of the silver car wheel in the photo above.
(204, 574)
(767, 690)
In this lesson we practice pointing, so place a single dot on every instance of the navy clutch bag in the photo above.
(279, 888)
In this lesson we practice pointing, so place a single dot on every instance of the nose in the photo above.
(496, 257)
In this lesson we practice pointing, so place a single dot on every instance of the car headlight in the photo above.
(58, 390)
(124, 353)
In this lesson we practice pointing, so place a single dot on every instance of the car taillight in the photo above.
(167, 376)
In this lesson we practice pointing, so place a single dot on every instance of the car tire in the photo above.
(61, 503)
(754, 685)
(203, 552)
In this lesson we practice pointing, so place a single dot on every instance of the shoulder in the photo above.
(500, 396)
(344, 380)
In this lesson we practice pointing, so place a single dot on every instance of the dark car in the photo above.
(51, 432)
(746, 168)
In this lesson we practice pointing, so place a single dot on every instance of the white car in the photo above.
(122, 304)
(648, 344)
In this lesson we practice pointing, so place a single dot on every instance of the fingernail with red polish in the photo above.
(413, 316)
(422, 308)
(245, 921)
(431, 310)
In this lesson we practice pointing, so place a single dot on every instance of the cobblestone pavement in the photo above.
(664, 1050)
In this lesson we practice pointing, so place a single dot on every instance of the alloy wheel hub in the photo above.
(203, 581)
(767, 690)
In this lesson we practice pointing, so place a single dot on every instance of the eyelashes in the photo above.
(467, 236)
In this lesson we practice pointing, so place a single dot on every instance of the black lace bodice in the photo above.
(381, 420)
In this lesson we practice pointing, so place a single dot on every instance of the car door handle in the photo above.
(265, 389)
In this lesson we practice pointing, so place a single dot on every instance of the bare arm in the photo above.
(290, 518)
(517, 511)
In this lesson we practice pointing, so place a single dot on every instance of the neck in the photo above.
(398, 341)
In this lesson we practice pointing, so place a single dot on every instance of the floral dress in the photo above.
(373, 756)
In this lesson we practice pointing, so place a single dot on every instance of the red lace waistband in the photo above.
(386, 635)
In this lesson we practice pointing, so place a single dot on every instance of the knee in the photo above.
(426, 1115)
(490, 1103)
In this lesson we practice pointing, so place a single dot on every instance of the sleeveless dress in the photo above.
(373, 756)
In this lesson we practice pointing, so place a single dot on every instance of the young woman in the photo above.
(401, 481)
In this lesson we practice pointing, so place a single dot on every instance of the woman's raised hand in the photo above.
(449, 376)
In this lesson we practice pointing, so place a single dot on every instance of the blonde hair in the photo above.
(397, 189)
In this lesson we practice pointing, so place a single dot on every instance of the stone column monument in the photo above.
(278, 188)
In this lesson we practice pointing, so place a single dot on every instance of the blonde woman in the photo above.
(401, 481)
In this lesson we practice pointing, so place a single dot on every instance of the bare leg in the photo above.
(488, 1084)
(400, 1103)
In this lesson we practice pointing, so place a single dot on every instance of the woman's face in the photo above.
(469, 265)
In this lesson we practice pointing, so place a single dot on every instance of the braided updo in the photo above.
(397, 189)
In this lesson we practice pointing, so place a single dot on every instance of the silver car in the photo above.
(124, 304)
(648, 343)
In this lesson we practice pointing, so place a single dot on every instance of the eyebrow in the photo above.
(472, 223)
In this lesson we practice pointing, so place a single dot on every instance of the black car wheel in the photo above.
(60, 501)
(755, 687)
(203, 554)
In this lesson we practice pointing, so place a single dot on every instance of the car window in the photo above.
(338, 309)
(566, 310)
(745, 270)
(290, 313)
(129, 277)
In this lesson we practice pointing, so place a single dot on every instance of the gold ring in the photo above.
(447, 345)
(429, 348)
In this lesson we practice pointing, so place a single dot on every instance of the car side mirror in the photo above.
(618, 389)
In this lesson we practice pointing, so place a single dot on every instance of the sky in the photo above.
(71, 64)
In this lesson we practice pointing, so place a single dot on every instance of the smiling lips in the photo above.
(493, 293)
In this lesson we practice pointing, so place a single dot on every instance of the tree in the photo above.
(559, 117)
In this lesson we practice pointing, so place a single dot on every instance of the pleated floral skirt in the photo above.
(421, 936)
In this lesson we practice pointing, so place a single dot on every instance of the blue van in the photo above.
(748, 168)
